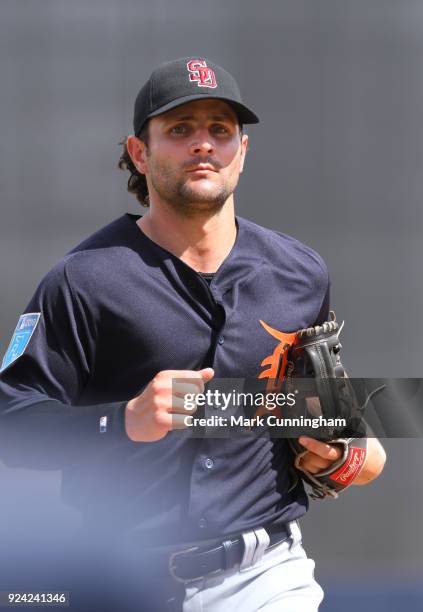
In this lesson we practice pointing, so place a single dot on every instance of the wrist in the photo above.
(374, 464)
(129, 420)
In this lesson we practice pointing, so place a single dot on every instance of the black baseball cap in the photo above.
(183, 80)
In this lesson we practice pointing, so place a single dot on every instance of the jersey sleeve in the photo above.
(44, 371)
(324, 310)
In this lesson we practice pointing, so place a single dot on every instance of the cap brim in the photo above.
(245, 115)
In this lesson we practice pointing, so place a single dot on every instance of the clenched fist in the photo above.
(160, 407)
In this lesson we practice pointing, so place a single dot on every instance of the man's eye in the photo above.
(179, 129)
(220, 129)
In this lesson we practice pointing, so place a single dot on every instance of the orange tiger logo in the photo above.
(278, 360)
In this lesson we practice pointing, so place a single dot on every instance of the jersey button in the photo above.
(202, 523)
(208, 463)
(221, 340)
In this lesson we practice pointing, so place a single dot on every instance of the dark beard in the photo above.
(191, 203)
(186, 201)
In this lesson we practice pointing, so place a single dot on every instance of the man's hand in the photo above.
(160, 407)
(319, 455)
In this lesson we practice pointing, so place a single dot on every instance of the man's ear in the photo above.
(244, 149)
(137, 150)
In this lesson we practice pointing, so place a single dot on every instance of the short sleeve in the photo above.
(44, 371)
(325, 307)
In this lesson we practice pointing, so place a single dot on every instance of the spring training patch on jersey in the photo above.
(21, 337)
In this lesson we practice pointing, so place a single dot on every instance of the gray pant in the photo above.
(277, 578)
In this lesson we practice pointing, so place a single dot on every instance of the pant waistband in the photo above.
(246, 549)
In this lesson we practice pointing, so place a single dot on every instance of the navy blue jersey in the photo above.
(113, 313)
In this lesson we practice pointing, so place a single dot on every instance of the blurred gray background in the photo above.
(336, 162)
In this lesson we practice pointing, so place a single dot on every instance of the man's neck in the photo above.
(203, 242)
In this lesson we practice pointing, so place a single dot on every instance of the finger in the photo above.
(182, 388)
(183, 406)
(323, 449)
(314, 463)
(168, 421)
(190, 377)
(206, 374)
(178, 421)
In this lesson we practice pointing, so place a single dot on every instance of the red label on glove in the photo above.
(351, 468)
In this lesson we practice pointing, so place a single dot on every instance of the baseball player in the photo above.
(188, 290)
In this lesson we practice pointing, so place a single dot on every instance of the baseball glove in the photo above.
(325, 391)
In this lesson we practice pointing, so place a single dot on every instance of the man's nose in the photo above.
(202, 144)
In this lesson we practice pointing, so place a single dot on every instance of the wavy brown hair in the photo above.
(137, 184)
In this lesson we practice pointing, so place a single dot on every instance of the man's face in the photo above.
(194, 156)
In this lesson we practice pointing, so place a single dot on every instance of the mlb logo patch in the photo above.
(103, 424)
(21, 337)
